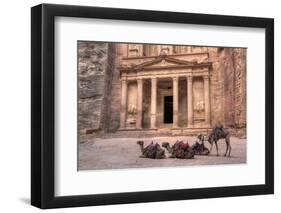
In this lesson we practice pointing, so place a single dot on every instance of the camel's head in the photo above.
(209, 138)
(200, 137)
(140, 143)
(219, 125)
(165, 144)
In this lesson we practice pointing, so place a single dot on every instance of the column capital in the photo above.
(206, 77)
(189, 77)
(175, 78)
(139, 80)
(153, 79)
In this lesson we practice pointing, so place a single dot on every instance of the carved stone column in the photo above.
(175, 102)
(123, 111)
(153, 103)
(207, 100)
(189, 101)
(139, 103)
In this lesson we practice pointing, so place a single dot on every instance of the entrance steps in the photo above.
(147, 133)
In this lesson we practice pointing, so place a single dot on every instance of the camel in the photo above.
(179, 150)
(219, 132)
(199, 147)
(153, 151)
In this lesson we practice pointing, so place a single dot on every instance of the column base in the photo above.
(153, 128)
(127, 129)
(176, 132)
(207, 125)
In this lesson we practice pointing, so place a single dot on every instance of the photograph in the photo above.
(142, 105)
(136, 105)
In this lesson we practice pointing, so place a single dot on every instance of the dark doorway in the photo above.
(168, 109)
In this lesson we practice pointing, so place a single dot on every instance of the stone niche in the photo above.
(131, 105)
(198, 100)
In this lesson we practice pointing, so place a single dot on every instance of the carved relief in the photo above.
(150, 50)
(166, 50)
(199, 106)
(198, 99)
(132, 109)
(133, 50)
(132, 104)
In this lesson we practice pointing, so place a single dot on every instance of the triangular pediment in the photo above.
(163, 62)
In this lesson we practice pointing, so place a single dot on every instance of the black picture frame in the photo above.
(43, 102)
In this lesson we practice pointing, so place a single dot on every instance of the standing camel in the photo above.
(219, 132)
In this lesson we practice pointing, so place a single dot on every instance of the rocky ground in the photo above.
(119, 153)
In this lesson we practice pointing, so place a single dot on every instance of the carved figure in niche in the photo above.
(199, 106)
(132, 109)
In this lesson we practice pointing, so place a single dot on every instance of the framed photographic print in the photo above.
(139, 106)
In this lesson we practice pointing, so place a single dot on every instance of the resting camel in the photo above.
(219, 132)
(199, 148)
(151, 151)
(179, 150)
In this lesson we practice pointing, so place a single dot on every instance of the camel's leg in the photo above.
(229, 146)
(211, 147)
(229, 150)
(217, 148)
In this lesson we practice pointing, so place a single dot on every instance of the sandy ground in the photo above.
(118, 153)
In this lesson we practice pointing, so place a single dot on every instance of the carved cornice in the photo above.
(174, 54)
(172, 63)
